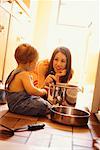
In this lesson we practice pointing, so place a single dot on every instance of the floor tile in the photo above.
(17, 146)
(82, 133)
(39, 139)
(82, 148)
(17, 139)
(62, 142)
(82, 142)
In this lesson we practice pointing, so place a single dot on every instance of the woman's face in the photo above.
(59, 62)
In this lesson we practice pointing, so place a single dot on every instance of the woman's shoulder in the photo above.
(42, 66)
(43, 63)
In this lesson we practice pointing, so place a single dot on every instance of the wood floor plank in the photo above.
(8, 121)
(2, 113)
(3, 110)
(23, 123)
(13, 115)
(54, 125)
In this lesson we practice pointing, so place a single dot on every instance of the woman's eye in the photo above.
(56, 59)
(63, 61)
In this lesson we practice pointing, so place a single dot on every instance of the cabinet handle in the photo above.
(1, 28)
(9, 1)
(20, 12)
(19, 38)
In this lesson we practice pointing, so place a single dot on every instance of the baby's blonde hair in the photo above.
(25, 53)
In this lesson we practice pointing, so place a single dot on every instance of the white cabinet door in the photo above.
(14, 39)
(4, 25)
(19, 32)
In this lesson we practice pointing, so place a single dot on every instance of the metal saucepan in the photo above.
(61, 92)
(69, 116)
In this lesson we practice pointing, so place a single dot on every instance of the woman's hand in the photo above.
(50, 79)
(60, 74)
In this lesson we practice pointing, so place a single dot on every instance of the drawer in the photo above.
(6, 4)
(17, 11)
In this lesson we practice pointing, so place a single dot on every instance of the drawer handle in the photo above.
(20, 12)
(1, 28)
(9, 1)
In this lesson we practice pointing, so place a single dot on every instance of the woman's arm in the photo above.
(71, 75)
(41, 70)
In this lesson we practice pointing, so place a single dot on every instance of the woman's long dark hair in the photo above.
(67, 53)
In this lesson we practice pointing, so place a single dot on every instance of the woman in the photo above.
(58, 70)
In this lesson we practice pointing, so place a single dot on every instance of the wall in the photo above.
(41, 26)
(83, 42)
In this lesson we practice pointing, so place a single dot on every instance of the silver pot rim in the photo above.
(70, 115)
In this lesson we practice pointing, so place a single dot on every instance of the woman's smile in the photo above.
(59, 63)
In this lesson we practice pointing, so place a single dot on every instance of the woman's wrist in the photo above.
(46, 88)
(41, 79)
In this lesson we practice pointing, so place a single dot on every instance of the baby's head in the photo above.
(25, 53)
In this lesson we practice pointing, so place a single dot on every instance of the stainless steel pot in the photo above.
(62, 92)
(69, 115)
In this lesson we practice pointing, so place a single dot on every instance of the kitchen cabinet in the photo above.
(27, 2)
(4, 29)
(17, 21)
(14, 39)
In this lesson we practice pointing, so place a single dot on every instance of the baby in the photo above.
(23, 97)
